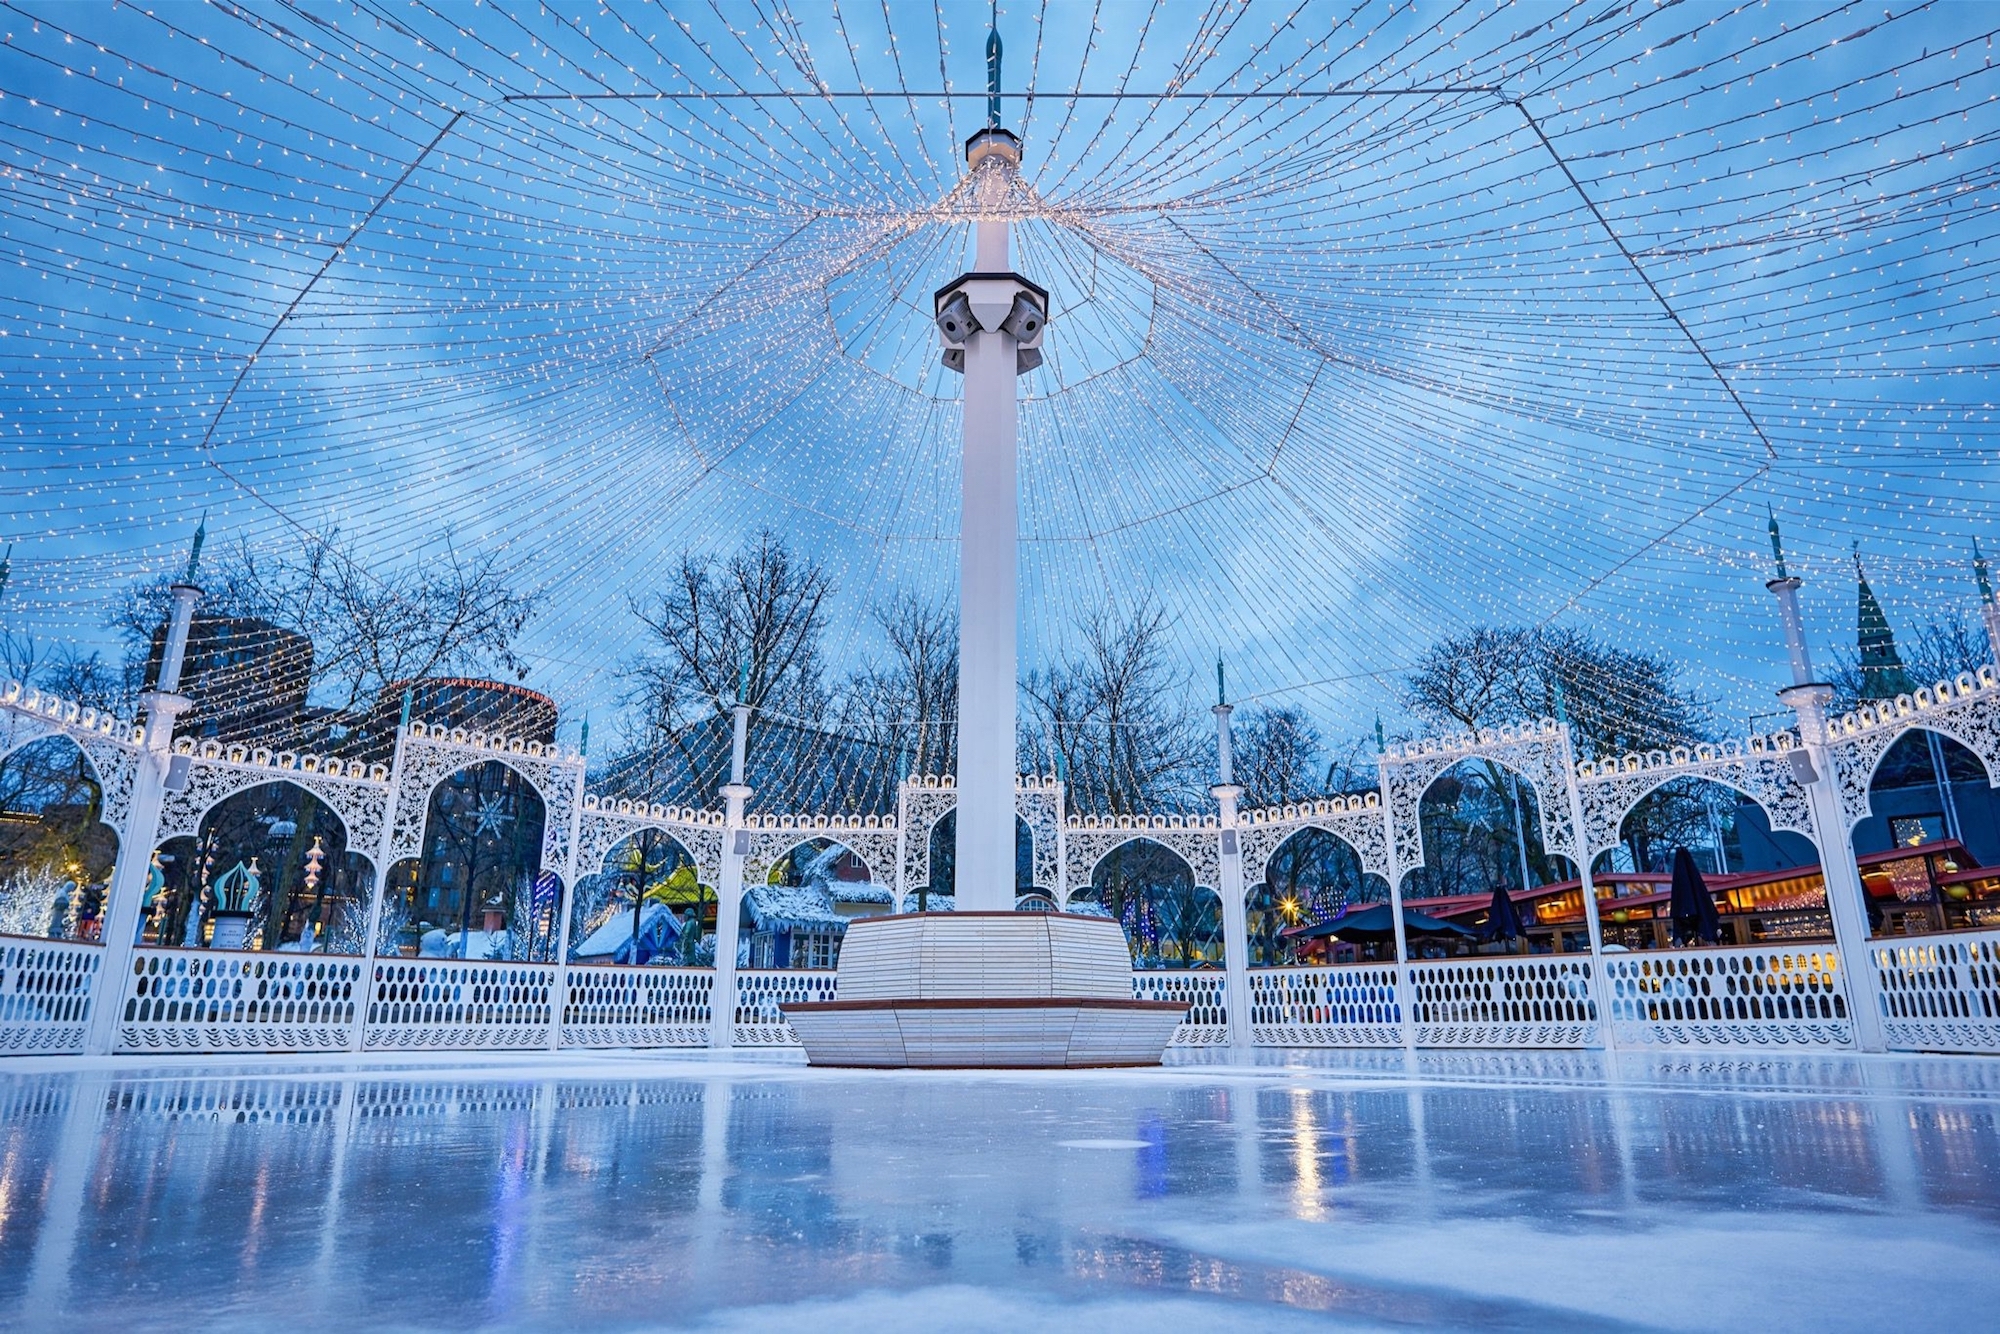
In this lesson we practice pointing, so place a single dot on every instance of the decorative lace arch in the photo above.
(361, 805)
(1039, 805)
(1086, 843)
(603, 830)
(1858, 741)
(429, 759)
(876, 847)
(1363, 832)
(113, 762)
(1610, 791)
(1538, 753)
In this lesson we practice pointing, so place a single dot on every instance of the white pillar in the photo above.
(179, 620)
(987, 628)
(728, 908)
(1405, 993)
(1845, 900)
(1600, 989)
(559, 994)
(372, 942)
(1235, 921)
(135, 859)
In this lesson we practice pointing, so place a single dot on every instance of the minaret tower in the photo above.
(991, 321)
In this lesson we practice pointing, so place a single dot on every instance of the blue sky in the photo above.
(1329, 376)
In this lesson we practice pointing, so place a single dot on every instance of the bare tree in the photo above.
(66, 671)
(750, 625)
(446, 614)
(1119, 717)
(1277, 752)
(909, 707)
(1616, 701)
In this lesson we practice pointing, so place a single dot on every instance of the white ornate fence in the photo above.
(1504, 1001)
(637, 1007)
(226, 1000)
(1762, 997)
(1351, 1006)
(761, 995)
(1203, 993)
(459, 1003)
(1940, 993)
(46, 989)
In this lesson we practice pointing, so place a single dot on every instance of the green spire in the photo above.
(7, 561)
(409, 698)
(993, 71)
(1882, 674)
(1562, 696)
(583, 742)
(1978, 572)
(1381, 742)
(1222, 689)
(1777, 547)
(194, 553)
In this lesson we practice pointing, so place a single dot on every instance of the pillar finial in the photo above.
(1562, 703)
(743, 679)
(583, 741)
(1381, 741)
(409, 698)
(993, 70)
(1777, 546)
(1222, 688)
(1979, 572)
(7, 562)
(194, 552)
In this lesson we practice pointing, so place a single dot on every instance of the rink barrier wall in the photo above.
(611, 1006)
(1794, 996)
(1939, 993)
(230, 1000)
(46, 991)
(1504, 1001)
(1205, 995)
(1934, 993)
(1351, 1006)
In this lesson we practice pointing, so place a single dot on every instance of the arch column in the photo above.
(728, 911)
(1407, 1019)
(1235, 920)
(371, 939)
(1839, 871)
(135, 858)
(559, 996)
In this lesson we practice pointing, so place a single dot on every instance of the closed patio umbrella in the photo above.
(1690, 907)
(1503, 919)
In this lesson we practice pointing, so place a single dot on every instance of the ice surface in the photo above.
(637, 1191)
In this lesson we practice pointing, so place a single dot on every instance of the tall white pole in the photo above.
(1846, 900)
(729, 894)
(987, 581)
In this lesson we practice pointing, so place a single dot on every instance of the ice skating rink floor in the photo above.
(638, 1190)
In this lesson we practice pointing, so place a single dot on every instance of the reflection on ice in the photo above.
(1464, 1188)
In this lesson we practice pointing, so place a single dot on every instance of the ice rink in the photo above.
(638, 1191)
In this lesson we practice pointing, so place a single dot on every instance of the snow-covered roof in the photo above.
(860, 891)
(793, 908)
(1085, 908)
(616, 933)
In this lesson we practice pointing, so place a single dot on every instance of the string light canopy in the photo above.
(1366, 325)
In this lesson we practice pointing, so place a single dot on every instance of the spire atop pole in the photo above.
(1222, 688)
(1381, 742)
(7, 561)
(194, 552)
(993, 70)
(1777, 547)
(1979, 572)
